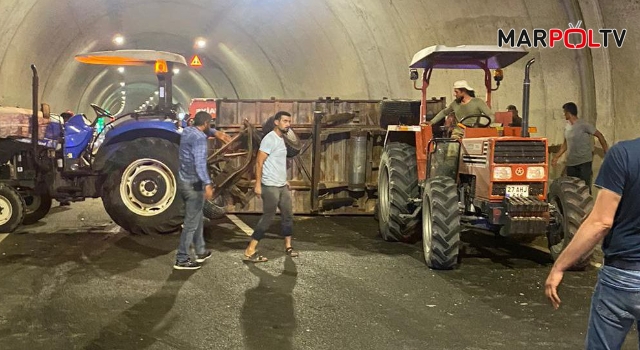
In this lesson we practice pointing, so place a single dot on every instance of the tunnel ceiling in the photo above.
(352, 49)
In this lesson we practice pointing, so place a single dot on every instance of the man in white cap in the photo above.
(465, 104)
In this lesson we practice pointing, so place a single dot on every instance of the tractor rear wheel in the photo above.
(573, 203)
(440, 223)
(140, 192)
(12, 209)
(397, 186)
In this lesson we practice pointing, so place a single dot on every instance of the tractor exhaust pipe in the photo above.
(34, 115)
(525, 99)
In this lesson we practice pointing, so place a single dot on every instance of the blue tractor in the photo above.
(131, 161)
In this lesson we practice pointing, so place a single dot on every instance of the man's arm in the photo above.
(563, 149)
(262, 156)
(592, 231)
(441, 115)
(200, 153)
(603, 141)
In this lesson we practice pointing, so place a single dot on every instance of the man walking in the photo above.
(271, 185)
(194, 186)
(616, 218)
(578, 143)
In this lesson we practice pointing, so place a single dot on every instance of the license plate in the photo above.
(517, 190)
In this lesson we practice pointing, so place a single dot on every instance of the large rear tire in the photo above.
(12, 209)
(37, 207)
(397, 186)
(440, 223)
(573, 203)
(141, 189)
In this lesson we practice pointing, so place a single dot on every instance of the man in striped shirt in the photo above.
(195, 186)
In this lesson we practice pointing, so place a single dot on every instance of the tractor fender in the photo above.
(117, 136)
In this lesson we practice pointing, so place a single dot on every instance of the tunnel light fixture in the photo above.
(176, 70)
(118, 39)
(151, 98)
(123, 92)
(124, 97)
(200, 43)
(156, 93)
(122, 84)
(121, 69)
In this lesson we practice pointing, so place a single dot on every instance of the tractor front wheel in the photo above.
(12, 209)
(440, 223)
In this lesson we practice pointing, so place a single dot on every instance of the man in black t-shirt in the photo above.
(615, 306)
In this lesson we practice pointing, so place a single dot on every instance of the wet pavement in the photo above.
(75, 281)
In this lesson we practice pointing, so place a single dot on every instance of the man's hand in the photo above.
(222, 136)
(257, 189)
(554, 161)
(288, 186)
(208, 192)
(551, 287)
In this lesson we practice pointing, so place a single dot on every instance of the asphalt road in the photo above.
(75, 281)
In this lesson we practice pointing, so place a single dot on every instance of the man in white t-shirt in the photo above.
(271, 185)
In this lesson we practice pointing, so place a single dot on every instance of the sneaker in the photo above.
(187, 265)
(202, 257)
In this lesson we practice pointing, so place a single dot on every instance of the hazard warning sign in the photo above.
(195, 61)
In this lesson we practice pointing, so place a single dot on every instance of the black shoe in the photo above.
(202, 257)
(187, 265)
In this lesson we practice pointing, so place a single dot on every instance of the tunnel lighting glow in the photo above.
(201, 43)
(151, 98)
(124, 97)
(156, 93)
(176, 70)
(122, 84)
(121, 69)
(123, 92)
(118, 39)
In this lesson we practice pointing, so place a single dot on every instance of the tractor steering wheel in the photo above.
(100, 111)
(466, 121)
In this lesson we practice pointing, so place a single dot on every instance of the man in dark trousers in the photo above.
(615, 306)
(271, 185)
(578, 143)
(194, 186)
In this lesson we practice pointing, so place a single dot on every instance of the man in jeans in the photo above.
(578, 143)
(194, 186)
(271, 185)
(615, 305)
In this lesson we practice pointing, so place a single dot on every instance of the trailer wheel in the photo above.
(37, 207)
(397, 185)
(140, 192)
(573, 203)
(12, 209)
(440, 223)
(291, 140)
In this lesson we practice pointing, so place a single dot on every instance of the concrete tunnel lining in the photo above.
(349, 49)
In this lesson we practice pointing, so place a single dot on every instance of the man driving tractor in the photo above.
(465, 104)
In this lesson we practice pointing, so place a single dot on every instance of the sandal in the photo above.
(255, 258)
(290, 252)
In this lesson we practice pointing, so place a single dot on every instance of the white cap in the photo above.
(462, 84)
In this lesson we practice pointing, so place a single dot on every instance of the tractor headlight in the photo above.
(502, 173)
(535, 173)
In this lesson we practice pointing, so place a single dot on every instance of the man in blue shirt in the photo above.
(194, 186)
(615, 217)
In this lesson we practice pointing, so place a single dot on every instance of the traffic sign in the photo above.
(195, 61)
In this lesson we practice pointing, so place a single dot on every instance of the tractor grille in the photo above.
(500, 188)
(519, 152)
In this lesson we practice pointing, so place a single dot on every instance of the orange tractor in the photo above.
(494, 177)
